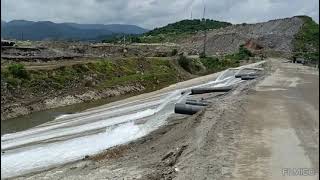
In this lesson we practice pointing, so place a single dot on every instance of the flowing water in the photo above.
(70, 137)
(36, 118)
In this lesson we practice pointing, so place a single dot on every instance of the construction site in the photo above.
(228, 103)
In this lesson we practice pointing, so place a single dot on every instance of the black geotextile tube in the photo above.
(241, 75)
(193, 100)
(248, 77)
(180, 108)
(197, 103)
(210, 90)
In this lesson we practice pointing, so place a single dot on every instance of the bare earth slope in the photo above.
(276, 35)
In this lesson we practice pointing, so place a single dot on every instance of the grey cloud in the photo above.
(154, 13)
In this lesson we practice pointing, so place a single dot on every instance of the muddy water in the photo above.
(37, 118)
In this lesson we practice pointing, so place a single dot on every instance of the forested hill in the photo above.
(188, 26)
(171, 32)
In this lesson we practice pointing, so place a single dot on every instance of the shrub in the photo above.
(135, 39)
(244, 52)
(174, 52)
(213, 64)
(13, 81)
(306, 42)
(184, 62)
(18, 71)
(210, 62)
(202, 55)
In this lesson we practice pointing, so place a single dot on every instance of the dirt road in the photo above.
(261, 130)
(280, 135)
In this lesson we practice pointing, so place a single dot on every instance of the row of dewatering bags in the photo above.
(190, 107)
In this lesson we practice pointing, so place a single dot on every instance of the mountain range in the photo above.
(46, 30)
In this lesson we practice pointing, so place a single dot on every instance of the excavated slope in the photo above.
(274, 35)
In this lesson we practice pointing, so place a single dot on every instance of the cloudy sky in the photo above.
(155, 13)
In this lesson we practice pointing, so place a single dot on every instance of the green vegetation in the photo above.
(214, 64)
(202, 55)
(306, 43)
(188, 26)
(171, 32)
(157, 72)
(15, 74)
(192, 66)
(17, 71)
(119, 38)
(104, 73)
(151, 73)
(24, 43)
(206, 65)
(174, 52)
(242, 54)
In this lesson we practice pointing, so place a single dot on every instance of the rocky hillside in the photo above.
(276, 35)
(285, 37)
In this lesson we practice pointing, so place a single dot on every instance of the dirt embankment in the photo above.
(274, 37)
(197, 147)
(57, 51)
(26, 90)
(40, 86)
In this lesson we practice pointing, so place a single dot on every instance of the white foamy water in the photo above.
(71, 137)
